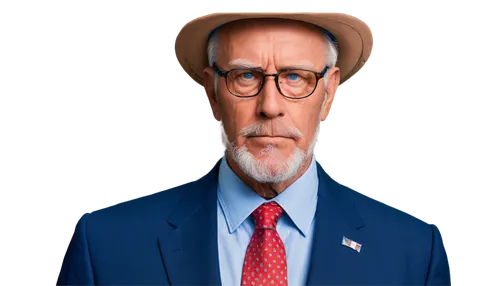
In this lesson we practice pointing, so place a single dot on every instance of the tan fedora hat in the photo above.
(353, 36)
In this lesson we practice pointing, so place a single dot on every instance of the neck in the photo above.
(266, 190)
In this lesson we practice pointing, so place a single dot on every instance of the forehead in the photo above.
(279, 40)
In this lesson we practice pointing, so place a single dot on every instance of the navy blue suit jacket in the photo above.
(170, 238)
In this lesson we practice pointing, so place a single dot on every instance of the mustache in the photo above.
(274, 128)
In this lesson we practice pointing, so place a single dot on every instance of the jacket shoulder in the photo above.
(376, 213)
(158, 205)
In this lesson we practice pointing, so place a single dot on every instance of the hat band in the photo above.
(325, 31)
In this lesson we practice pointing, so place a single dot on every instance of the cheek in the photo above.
(236, 116)
(227, 109)
(306, 120)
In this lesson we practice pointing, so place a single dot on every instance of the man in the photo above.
(267, 213)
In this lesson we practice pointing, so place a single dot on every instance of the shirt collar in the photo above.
(238, 200)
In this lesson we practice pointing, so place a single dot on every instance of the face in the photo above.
(270, 136)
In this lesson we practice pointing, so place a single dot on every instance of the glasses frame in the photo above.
(221, 73)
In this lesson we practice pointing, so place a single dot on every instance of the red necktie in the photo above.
(265, 259)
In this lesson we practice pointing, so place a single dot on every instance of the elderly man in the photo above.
(267, 213)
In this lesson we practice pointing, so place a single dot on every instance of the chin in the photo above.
(272, 160)
(269, 165)
(270, 152)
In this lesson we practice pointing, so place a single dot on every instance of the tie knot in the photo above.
(267, 215)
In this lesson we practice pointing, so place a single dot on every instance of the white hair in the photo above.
(269, 170)
(331, 54)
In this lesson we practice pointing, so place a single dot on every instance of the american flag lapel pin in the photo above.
(351, 244)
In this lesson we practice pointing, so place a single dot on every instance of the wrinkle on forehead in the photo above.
(244, 63)
(267, 46)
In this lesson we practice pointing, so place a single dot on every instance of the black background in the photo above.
(132, 120)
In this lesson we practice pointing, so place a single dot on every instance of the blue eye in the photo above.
(247, 75)
(293, 76)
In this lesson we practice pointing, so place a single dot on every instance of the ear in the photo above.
(331, 88)
(208, 83)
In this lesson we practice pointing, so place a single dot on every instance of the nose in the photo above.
(270, 101)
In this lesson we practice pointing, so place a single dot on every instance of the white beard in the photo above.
(270, 169)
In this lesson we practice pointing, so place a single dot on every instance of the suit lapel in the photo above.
(188, 243)
(335, 217)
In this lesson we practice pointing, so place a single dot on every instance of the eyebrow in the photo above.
(242, 63)
(300, 65)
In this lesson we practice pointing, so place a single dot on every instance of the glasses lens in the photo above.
(292, 83)
(297, 83)
(244, 82)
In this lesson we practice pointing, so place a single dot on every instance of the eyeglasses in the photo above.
(291, 83)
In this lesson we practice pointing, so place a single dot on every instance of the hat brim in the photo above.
(353, 36)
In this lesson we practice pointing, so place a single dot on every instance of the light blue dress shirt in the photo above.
(236, 201)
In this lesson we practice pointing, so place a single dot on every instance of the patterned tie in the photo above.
(265, 259)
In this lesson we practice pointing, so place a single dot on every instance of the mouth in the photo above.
(266, 139)
(268, 136)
